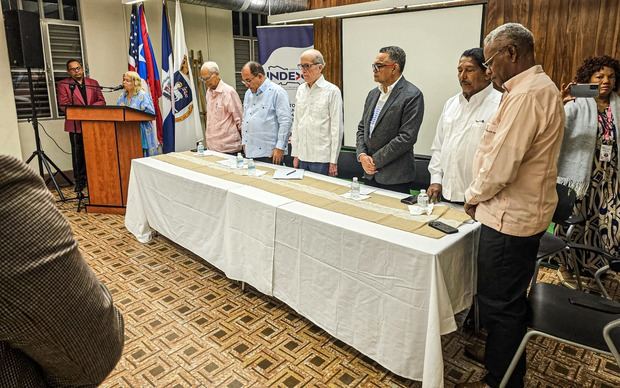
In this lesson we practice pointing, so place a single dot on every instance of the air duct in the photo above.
(266, 7)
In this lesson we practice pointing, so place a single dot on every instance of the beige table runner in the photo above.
(387, 211)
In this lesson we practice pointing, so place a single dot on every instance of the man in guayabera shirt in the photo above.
(460, 128)
(318, 124)
(513, 192)
(223, 129)
(266, 116)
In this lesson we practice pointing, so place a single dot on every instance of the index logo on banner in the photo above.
(283, 76)
(279, 51)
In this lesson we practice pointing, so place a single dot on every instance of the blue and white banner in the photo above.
(279, 51)
(167, 84)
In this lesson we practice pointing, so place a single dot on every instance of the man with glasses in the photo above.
(77, 90)
(390, 123)
(224, 112)
(460, 128)
(266, 116)
(513, 193)
(318, 124)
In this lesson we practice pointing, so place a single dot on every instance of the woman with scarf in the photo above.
(588, 163)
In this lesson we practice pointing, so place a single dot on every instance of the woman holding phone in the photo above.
(588, 163)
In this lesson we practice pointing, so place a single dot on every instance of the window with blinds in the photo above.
(64, 43)
(62, 40)
(246, 44)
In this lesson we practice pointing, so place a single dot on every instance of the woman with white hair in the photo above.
(134, 96)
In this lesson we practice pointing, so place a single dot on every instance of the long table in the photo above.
(388, 293)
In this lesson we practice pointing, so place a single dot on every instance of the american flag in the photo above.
(134, 39)
(141, 59)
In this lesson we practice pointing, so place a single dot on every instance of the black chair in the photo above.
(572, 317)
(348, 166)
(563, 215)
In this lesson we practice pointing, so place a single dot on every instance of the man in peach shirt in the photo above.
(224, 112)
(513, 193)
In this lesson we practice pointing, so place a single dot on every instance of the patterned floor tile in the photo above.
(187, 325)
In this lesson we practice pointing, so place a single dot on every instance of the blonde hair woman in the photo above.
(134, 96)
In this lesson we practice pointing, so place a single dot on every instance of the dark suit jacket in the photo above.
(395, 133)
(94, 96)
(58, 326)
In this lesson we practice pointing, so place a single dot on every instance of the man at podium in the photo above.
(77, 90)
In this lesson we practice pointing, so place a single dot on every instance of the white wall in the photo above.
(105, 26)
(433, 41)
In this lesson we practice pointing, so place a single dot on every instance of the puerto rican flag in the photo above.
(142, 60)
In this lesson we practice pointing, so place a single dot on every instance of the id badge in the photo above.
(605, 155)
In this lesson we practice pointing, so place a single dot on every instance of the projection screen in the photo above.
(433, 41)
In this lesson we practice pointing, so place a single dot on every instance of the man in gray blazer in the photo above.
(58, 326)
(389, 127)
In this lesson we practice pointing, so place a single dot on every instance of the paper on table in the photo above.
(256, 172)
(288, 174)
(418, 210)
(230, 163)
(365, 190)
(359, 198)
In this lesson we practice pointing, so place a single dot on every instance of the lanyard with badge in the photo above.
(606, 122)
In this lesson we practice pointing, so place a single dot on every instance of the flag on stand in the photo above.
(167, 84)
(188, 129)
(142, 60)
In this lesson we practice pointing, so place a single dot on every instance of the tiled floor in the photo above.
(187, 325)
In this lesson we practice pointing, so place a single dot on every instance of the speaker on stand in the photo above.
(23, 34)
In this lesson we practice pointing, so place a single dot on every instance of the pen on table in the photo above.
(290, 172)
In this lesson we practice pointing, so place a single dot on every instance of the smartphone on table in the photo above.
(410, 200)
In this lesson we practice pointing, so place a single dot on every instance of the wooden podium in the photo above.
(111, 139)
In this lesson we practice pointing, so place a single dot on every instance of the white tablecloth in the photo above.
(388, 293)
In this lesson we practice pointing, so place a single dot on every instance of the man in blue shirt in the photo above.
(266, 116)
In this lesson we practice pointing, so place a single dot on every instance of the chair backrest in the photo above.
(566, 203)
(348, 166)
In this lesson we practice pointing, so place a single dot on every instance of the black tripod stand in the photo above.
(42, 159)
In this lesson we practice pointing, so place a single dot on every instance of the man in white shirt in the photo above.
(318, 123)
(460, 128)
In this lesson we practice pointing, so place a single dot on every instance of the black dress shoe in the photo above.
(475, 353)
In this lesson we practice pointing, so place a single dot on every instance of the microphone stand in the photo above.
(76, 161)
(42, 159)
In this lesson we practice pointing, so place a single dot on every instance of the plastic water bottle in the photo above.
(355, 188)
(251, 167)
(423, 199)
(200, 149)
(239, 160)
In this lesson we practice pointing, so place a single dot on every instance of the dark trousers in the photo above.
(78, 160)
(505, 268)
(400, 187)
(266, 159)
(319, 168)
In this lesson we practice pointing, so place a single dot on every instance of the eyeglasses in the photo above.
(489, 61)
(305, 66)
(206, 79)
(77, 68)
(378, 66)
(247, 82)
